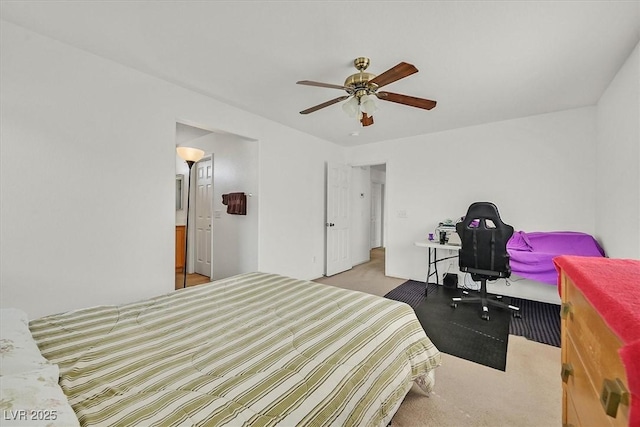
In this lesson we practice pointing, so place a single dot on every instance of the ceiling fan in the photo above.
(361, 87)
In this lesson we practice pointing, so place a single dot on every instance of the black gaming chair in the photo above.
(484, 252)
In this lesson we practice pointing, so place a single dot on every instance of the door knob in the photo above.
(330, 224)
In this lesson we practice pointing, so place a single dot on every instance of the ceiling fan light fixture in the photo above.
(351, 107)
(362, 91)
(368, 105)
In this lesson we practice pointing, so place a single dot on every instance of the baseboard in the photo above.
(519, 287)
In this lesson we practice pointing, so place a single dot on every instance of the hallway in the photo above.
(192, 280)
(368, 277)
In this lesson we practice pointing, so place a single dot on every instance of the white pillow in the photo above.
(13, 314)
(34, 398)
(18, 351)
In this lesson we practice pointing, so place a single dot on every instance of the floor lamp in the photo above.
(189, 155)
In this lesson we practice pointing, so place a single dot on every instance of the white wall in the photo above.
(538, 170)
(618, 162)
(186, 133)
(87, 168)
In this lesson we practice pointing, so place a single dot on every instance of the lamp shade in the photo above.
(351, 107)
(367, 105)
(190, 154)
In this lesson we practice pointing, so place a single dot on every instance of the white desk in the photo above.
(526, 289)
(432, 256)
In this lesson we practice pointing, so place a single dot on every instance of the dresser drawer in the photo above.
(595, 385)
(582, 395)
(592, 349)
(572, 419)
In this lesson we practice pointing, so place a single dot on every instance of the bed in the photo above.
(255, 349)
(531, 253)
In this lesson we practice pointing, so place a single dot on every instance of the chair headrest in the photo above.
(482, 210)
(487, 217)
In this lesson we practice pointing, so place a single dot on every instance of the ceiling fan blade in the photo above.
(412, 101)
(398, 72)
(324, 104)
(318, 84)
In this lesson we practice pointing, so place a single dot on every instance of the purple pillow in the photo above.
(519, 242)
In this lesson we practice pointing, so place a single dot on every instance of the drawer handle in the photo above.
(565, 311)
(613, 394)
(566, 372)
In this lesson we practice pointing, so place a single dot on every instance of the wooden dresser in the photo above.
(595, 386)
(180, 236)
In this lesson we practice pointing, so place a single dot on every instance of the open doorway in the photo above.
(192, 247)
(368, 213)
(378, 174)
(220, 243)
(378, 179)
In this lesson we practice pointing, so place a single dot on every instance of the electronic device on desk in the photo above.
(454, 239)
(446, 233)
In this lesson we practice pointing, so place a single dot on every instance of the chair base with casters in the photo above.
(485, 301)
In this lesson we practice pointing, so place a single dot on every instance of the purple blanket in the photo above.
(532, 253)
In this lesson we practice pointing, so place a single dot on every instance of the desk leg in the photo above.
(435, 265)
(431, 260)
(432, 263)
(426, 282)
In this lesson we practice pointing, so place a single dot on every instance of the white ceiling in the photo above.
(482, 61)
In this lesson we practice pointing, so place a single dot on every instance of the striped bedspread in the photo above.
(255, 349)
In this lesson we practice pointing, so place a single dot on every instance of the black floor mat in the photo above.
(540, 321)
(461, 331)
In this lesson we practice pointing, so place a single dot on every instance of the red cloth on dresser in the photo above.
(612, 286)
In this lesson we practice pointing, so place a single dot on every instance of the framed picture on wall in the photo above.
(179, 191)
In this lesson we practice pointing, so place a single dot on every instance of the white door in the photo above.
(204, 205)
(337, 219)
(376, 215)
